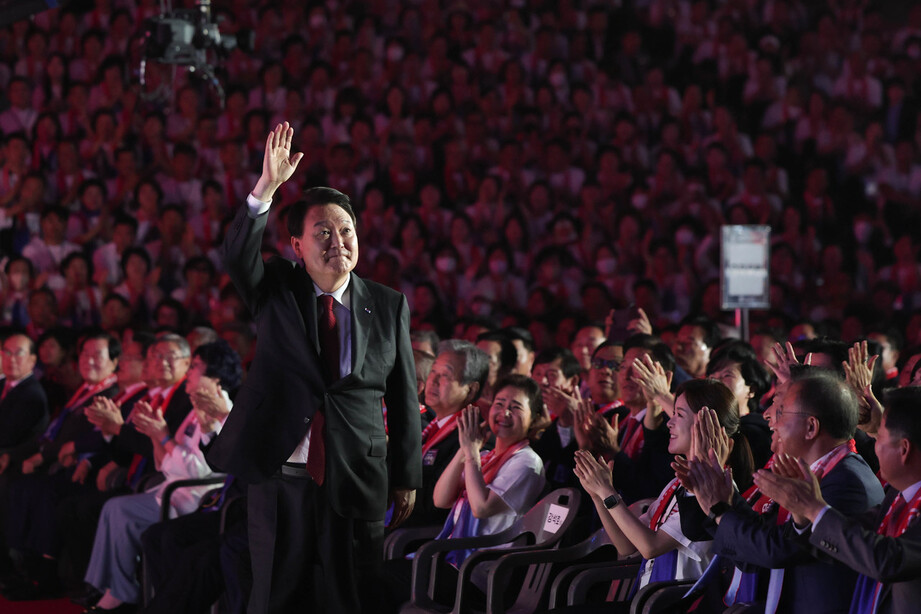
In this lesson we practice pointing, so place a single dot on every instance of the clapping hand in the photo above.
(106, 415)
(709, 482)
(655, 383)
(793, 485)
(470, 431)
(858, 369)
(592, 431)
(209, 404)
(707, 434)
(150, 421)
(785, 357)
(594, 475)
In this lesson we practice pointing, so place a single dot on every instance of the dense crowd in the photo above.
(519, 170)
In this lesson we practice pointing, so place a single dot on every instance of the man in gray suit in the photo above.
(307, 431)
(884, 545)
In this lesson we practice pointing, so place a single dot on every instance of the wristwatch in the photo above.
(718, 509)
(611, 501)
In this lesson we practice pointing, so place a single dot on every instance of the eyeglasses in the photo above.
(14, 353)
(602, 363)
(170, 358)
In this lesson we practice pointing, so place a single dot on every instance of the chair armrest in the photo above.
(501, 574)
(599, 573)
(426, 559)
(398, 543)
(174, 486)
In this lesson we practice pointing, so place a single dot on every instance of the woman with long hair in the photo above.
(706, 415)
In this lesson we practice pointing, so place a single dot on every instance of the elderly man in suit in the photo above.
(307, 431)
(813, 420)
(884, 546)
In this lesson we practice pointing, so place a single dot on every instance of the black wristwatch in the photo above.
(611, 501)
(718, 509)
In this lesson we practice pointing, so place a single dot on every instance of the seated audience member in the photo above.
(46, 470)
(637, 440)
(556, 371)
(706, 416)
(48, 251)
(812, 418)
(734, 363)
(584, 343)
(23, 403)
(884, 547)
(23, 413)
(486, 493)
(503, 357)
(185, 555)
(178, 455)
(524, 345)
(697, 337)
(425, 340)
(455, 381)
(19, 274)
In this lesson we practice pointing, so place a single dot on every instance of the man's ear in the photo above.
(472, 392)
(812, 427)
(296, 246)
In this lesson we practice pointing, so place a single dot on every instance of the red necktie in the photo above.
(898, 507)
(329, 359)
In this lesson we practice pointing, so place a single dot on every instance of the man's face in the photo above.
(525, 357)
(18, 362)
(444, 392)
(493, 349)
(888, 452)
(168, 365)
(328, 245)
(603, 379)
(95, 362)
(550, 375)
(788, 421)
(587, 339)
(888, 355)
(691, 352)
(130, 364)
(630, 391)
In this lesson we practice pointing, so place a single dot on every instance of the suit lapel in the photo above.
(362, 316)
(306, 299)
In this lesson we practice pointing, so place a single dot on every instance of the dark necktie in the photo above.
(329, 361)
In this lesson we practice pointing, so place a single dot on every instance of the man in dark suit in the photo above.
(885, 544)
(456, 380)
(307, 430)
(23, 404)
(813, 420)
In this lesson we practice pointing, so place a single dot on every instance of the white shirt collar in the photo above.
(342, 296)
(909, 492)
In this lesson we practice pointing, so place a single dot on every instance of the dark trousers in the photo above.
(307, 558)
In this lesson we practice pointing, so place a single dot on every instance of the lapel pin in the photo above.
(368, 310)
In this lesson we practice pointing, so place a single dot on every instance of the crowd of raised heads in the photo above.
(532, 164)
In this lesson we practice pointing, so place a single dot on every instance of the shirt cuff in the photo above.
(256, 207)
(820, 515)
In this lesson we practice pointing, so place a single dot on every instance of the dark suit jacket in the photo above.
(433, 465)
(895, 561)
(810, 585)
(23, 413)
(285, 387)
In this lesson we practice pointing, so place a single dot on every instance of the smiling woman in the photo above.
(487, 492)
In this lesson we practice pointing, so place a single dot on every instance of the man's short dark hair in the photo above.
(140, 252)
(659, 351)
(710, 329)
(903, 413)
(508, 355)
(315, 197)
(12, 332)
(115, 346)
(568, 363)
(521, 334)
(221, 363)
(830, 400)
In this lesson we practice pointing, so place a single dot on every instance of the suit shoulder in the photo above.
(382, 292)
